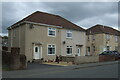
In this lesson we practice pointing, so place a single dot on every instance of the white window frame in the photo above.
(67, 33)
(107, 37)
(52, 29)
(69, 47)
(51, 45)
(93, 37)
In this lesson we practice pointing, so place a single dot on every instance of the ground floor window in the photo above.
(69, 50)
(51, 49)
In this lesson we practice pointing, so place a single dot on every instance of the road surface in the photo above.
(47, 71)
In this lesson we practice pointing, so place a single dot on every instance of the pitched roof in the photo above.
(97, 29)
(50, 19)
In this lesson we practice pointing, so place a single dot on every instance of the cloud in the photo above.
(106, 19)
(84, 14)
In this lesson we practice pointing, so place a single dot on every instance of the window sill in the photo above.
(51, 54)
(51, 36)
(69, 54)
(68, 38)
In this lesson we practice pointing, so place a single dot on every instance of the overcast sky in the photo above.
(84, 14)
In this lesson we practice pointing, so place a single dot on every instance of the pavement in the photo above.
(81, 65)
(96, 64)
(59, 64)
(101, 69)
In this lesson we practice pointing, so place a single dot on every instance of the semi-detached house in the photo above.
(44, 35)
(101, 38)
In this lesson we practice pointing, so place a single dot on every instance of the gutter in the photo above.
(23, 22)
(33, 23)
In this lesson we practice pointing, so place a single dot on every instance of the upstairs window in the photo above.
(69, 34)
(107, 37)
(116, 38)
(93, 37)
(51, 32)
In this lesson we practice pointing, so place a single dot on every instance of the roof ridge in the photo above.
(104, 29)
(46, 13)
(51, 19)
(70, 22)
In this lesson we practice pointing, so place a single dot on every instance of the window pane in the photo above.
(51, 32)
(36, 49)
(50, 50)
(69, 34)
(49, 46)
(53, 46)
(78, 51)
(69, 50)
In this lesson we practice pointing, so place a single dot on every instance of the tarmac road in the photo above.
(94, 70)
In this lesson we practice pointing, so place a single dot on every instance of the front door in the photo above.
(36, 52)
(78, 51)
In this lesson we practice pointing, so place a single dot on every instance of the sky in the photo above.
(84, 14)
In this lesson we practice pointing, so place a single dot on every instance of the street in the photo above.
(47, 71)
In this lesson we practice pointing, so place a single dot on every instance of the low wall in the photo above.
(86, 59)
(4, 48)
(13, 61)
(67, 58)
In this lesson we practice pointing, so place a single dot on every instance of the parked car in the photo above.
(116, 53)
(107, 53)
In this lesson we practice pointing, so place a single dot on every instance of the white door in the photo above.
(78, 51)
(36, 52)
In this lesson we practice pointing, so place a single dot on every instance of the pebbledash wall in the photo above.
(16, 38)
(40, 34)
(78, 40)
(26, 38)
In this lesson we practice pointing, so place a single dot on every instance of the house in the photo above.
(101, 38)
(44, 35)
